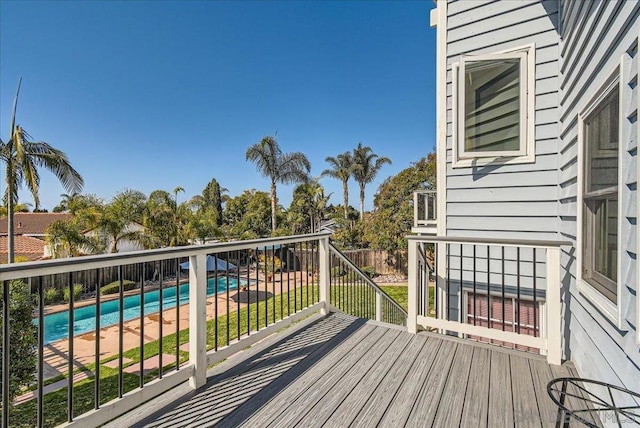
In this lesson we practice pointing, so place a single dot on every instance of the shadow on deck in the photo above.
(342, 371)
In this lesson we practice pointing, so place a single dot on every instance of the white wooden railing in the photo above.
(506, 292)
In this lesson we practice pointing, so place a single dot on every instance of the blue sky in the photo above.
(154, 95)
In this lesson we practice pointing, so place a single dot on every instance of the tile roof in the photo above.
(32, 223)
(26, 246)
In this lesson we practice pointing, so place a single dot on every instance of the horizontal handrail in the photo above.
(49, 267)
(366, 278)
(526, 243)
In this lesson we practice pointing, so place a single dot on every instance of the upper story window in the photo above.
(600, 194)
(495, 107)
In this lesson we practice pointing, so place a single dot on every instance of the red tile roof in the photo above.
(25, 246)
(32, 223)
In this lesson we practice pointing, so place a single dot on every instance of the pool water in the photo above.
(56, 326)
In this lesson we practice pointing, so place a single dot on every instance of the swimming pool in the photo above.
(56, 326)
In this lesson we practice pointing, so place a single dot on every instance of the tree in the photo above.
(117, 219)
(366, 165)
(341, 168)
(67, 239)
(22, 338)
(247, 215)
(307, 207)
(159, 220)
(23, 157)
(392, 218)
(279, 167)
(65, 202)
(212, 195)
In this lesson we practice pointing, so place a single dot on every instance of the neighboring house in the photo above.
(26, 248)
(30, 232)
(537, 108)
(30, 235)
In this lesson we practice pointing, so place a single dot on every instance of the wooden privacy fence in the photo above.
(384, 262)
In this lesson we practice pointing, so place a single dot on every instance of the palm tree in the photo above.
(366, 165)
(342, 169)
(23, 157)
(285, 168)
(67, 239)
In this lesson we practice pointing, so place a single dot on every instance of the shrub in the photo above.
(22, 338)
(114, 287)
(269, 264)
(370, 271)
(51, 296)
(77, 292)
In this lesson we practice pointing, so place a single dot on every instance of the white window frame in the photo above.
(526, 153)
(609, 309)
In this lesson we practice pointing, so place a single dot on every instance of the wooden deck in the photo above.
(340, 371)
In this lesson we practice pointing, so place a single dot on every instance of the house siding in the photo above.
(597, 37)
(578, 46)
(477, 198)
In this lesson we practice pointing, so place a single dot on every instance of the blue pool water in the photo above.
(56, 326)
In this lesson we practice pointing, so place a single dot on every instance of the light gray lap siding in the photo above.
(596, 37)
(475, 195)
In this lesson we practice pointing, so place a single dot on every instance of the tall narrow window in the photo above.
(600, 196)
(494, 107)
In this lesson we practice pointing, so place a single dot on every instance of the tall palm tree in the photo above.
(23, 157)
(341, 169)
(285, 168)
(366, 165)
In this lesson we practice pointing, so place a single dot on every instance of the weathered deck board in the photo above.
(525, 407)
(393, 387)
(500, 398)
(475, 410)
(339, 371)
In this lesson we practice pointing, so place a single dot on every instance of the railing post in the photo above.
(324, 255)
(554, 307)
(378, 306)
(198, 319)
(412, 312)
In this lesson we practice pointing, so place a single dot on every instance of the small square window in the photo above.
(494, 112)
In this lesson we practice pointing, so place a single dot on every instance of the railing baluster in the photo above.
(177, 314)
(120, 330)
(141, 384)
(475, 296)
(502, 304)
(535, 303)
(160, 318)
(6, 362)
(215, 304)
(96, 383)
(70, 350)
(295, 285)
(448, 307)
(226, 280)
(41, 353)
(518, 289)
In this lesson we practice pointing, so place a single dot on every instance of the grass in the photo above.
(229, 327)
